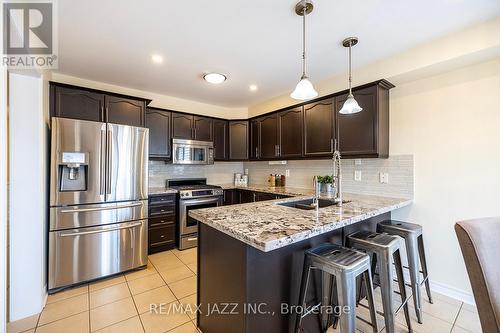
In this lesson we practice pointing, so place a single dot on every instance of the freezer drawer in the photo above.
(93, 215)
(84, 254)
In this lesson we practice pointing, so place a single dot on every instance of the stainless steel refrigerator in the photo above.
(98, 200)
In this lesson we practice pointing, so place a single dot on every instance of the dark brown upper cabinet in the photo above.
(319, 130)
(182, 126)
(159, 123)
(124, 111)
(89, 104)
(221, 137)
(76, 103)
(365, 134)
(203, 128)
(190, 127)
(254, 139)
(290, 132)
(265, 137)
(238, 140)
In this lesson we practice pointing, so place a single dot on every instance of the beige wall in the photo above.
(471, 45)
(159, 100)
(450, 123)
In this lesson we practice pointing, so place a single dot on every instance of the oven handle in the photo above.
(191, 202)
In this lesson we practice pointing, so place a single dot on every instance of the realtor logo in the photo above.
(29, 35)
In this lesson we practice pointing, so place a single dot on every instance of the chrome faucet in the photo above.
(316, 191)
(337, 175)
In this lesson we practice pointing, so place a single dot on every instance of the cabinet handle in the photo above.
(279, 150)
(256, 152)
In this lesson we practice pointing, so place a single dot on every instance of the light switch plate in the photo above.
(357, 175)
(384, 177)
(246, 171)
(287, 173)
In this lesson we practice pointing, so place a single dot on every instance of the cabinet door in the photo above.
(290, 134)
(357, 133)
(268, 137)
(158, 122)
(182, 126)
(220, 139)
(262, 196)
(319, 129)
(76, 103)
(231, 197)
(247, 196)
(254, 139)
(125, 111)
(238, 140)
(203, 129)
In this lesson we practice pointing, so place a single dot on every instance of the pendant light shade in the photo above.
(350, 105)
(304, 89)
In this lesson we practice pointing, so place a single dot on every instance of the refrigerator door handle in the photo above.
(102, 184)
(79, 210)
(129, 226)
(109, 159)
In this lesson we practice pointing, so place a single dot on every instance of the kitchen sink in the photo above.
(307, 204)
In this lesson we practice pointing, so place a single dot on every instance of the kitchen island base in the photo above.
(243, 289)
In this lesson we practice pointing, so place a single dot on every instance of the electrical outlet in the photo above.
(246, 171)
(357, 161)
(384, 177)
(357, 175)
(287, 173)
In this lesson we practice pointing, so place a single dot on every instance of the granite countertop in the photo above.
(160, 190)
(268, 226)
(292, 191)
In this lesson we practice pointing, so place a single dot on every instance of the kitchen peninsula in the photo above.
(251, 255)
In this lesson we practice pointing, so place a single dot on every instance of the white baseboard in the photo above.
(452, 292)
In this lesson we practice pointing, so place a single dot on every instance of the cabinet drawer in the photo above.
(161, 221)
(162, 235)
(161, 210)
(162, 200)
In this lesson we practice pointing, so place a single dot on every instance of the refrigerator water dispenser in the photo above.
(73, 172)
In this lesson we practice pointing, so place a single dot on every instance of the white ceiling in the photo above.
(253, 42)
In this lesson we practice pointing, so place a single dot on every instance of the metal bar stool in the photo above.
(339, 267)
(382, 247)
(412, 234)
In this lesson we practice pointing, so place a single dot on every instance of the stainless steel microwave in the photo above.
(192, 152)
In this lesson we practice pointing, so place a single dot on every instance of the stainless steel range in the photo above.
(193, 194)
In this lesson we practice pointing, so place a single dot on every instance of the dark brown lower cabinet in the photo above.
(237, 196)
(161, 223)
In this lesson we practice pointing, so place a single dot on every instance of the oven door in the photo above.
(189, 225)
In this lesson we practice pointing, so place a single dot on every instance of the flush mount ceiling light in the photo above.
(157, 59)
(350, 105)
(304, 89)
(253, 87)
(214, 78)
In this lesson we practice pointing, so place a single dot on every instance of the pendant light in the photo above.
(304, 89)
(350, 105)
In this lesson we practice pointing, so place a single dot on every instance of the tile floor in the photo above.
(122, 304)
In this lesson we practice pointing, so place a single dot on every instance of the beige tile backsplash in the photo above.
(399, 168)
(218, 173)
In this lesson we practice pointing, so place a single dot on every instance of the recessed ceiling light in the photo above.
(253, 87)
(157, 59)
(214, 78)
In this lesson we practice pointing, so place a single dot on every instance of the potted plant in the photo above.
(325, 183)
